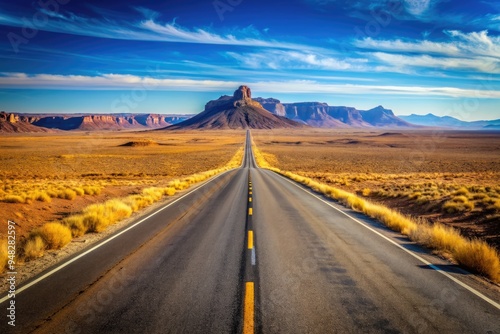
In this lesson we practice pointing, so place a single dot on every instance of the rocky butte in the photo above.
(236, 112)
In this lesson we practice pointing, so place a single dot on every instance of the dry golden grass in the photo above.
(97, 217)
(34, 248)
(54, 235)
(38, 169)
(474, 254)
(419, 173)
(56, 177)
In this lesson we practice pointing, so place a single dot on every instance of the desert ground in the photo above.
(47, 177)
(450, 177)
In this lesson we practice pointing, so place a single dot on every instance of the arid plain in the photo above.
(451, 177)
(448, 177)
(50, 177)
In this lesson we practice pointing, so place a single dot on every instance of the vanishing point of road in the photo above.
(250, 251)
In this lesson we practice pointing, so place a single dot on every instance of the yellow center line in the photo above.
(250, 193)
(250, 239)
(250, 211)
(250, 199)
(248, 312)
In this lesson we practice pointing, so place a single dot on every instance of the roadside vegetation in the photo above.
(472, 253)
(97, 217)
(439, 193)
(86, 191)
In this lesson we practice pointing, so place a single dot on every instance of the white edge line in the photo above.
(462, 284)
(24, 287)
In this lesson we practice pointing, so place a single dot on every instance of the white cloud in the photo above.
(399, 45)
(474, 51)
(284, 59)
(175, 33)
(476, 43)
(398, 61)
(417, 7)
(460, 44)
(108, 81)
(148, 30)
(120, 81)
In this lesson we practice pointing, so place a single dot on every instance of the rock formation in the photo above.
(322, 115)
(239, 111)
(12, 122)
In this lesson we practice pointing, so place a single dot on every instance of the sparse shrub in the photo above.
(462, 191)
(155, 193)
(444, 237)
(42, 196)
(479, 257)
(460, 199)
(34, 248)
(453, 207)
(67, 194)
(14, 199)
(55, 235)
(76, 225)
(137, 202)
(94, 222)
(79, 191)
(366, 192)
(169, 191)
(458, 204)
(52, 193)
(178, 184)
(479, 196)
(92, 190)
(98, 216)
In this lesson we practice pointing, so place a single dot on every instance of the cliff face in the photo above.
(322, 115)
(239, 111)
(11, 122)
(312, 113)
(272, 105)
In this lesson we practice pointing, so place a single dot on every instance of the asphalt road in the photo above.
(251, 251)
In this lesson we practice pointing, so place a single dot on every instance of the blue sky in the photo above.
(412, 56)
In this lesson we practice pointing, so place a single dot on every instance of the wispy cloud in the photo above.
(148, 29)
(474, 51)
(108, 81)
(119, 81)
(285, 59)
(424, 61)
(398, 45)
(175, 33)
(459, 44)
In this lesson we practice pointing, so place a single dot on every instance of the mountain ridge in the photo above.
(320, 114)
(451, 122)
(17, 122)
